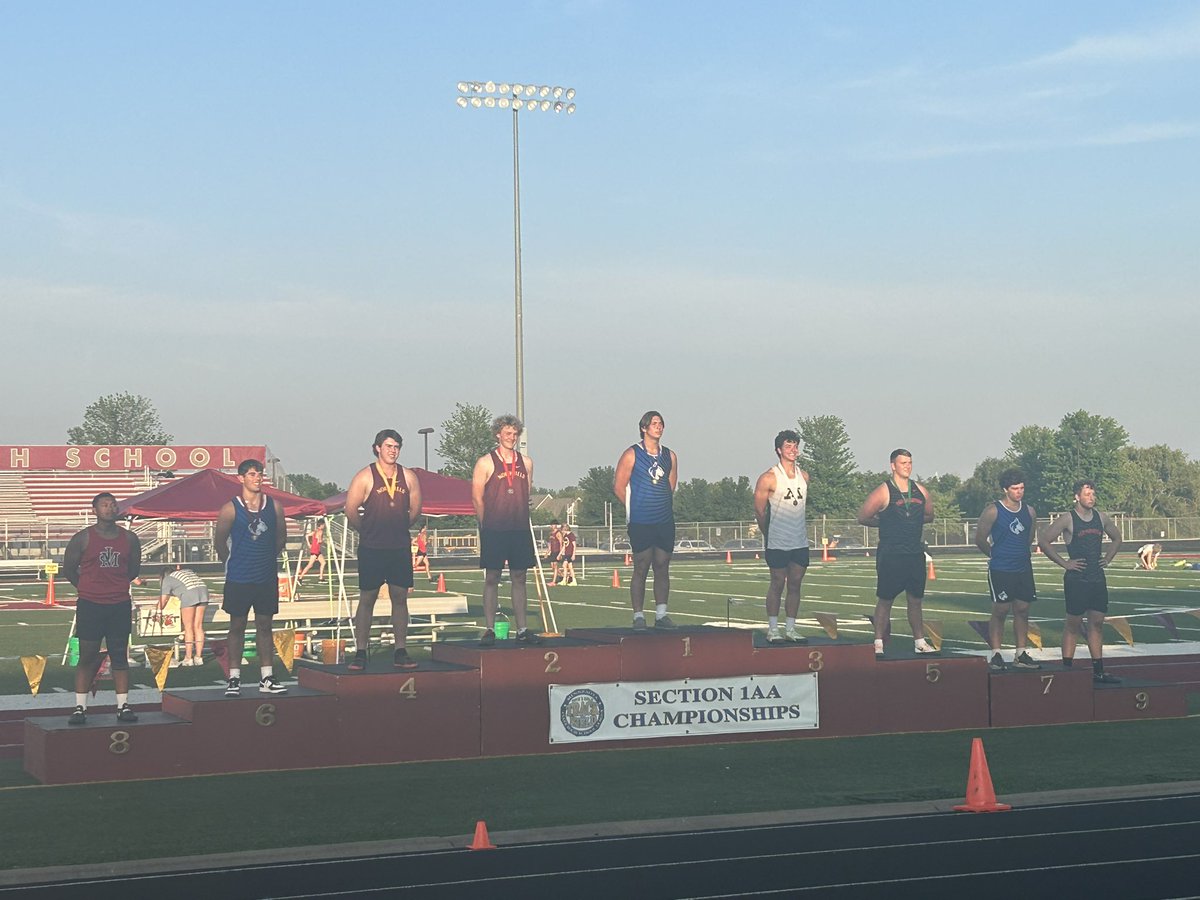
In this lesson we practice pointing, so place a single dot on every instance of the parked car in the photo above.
(837, 542)
(620, 547)
(743, 544)
(688, 545)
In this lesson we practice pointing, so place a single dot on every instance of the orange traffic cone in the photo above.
(482, 841)
(616, 578)
(628, 560)
(441, 587)
(728, 558)
(980, 795)
(932, 573)
(50, 591)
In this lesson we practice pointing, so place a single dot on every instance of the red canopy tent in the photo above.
(199, 497)
(441, 495)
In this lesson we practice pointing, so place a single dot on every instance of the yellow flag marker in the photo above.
(933, 631)
(1035, 635)
(160, 664)
(34, 667)
(828, 621)
(1121, 626)
(285, 646)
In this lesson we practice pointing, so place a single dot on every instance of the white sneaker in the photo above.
(795, 636)
(774, 636)
(923, 646)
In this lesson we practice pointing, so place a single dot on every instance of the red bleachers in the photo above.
(56, 495)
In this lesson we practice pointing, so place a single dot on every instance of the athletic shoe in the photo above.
(269, 685)
(401, 659)
(1105, 678)
(488, 639)
(996, 664)
(79, 717)
(528, 636)
(923, 646)
(359, 663)
(126, 714)
(639, 623)
(235, 688)
(774, 636)
(794, 637)
(664, 622)
(879, 649)
(1024, 661)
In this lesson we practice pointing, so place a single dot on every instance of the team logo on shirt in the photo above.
(1016, 527)
(110, 558)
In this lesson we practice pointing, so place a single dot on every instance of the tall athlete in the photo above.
(101, 561)
(1009, 523)
(251, 533)
(780, 498)
(381, 503)
(1084, 587)
(645, 482)
(899, 508)
(500, 493)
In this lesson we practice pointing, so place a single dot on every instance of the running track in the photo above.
(1126, 848)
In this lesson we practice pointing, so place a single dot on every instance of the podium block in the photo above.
(390, 715)
(1051, 695)
(256, 732)
(1135, 699)
(156, 746)
(688, 652)
(930, 692)
(514, 681)
(845, 680)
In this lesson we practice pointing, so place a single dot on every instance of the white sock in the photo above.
(235, 673)
(772, 621)
(660, 610)
(266, 672)
(122, 700)
(81, 700)
(791, 623)
(639, 614)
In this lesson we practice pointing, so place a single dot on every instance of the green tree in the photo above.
(1086, 446)
(311, 486)
(830, 465)
(594, 490)
(943, 490)
(982, 487)
(120, 419)
(465, 436)
(693, 501)
(1030, 450)
(1161, 481)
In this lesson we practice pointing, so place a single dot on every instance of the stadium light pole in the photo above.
(518, 97)
(426, 432)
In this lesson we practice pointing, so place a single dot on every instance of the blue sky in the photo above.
(940, 221)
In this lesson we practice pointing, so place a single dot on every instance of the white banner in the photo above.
(653, 709)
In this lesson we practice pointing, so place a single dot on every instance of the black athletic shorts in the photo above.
(498, 546)
(781, 559)
(395, 567)
(1009, 586)
(897, 573)
(660, 535)
(241, 598)
(1083, 595)
(108, 622)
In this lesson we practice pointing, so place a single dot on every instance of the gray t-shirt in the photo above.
(187, 586)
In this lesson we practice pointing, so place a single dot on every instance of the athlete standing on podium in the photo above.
(381, 503)
(780, 499)
(645, 482)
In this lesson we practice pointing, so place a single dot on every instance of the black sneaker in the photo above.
(996, 663)
(269, 685)
(401, 659)
(1105, 678)
(1024, 661)
(126, 714)
(529, 636)
(79, 717)
(488, 639)
(235, 688)
(359, 663)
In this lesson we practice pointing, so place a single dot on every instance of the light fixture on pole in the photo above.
(426, 432)
(518, 97)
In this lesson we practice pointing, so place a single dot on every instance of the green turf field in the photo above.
(701, 592)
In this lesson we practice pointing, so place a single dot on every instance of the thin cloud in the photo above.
(1179, 40)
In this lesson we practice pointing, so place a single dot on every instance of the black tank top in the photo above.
(385, 522)
(1086, 538)
(902, 521)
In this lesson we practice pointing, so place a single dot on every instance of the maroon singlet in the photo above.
(104, 568)
(506, 495)
(385, 519)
